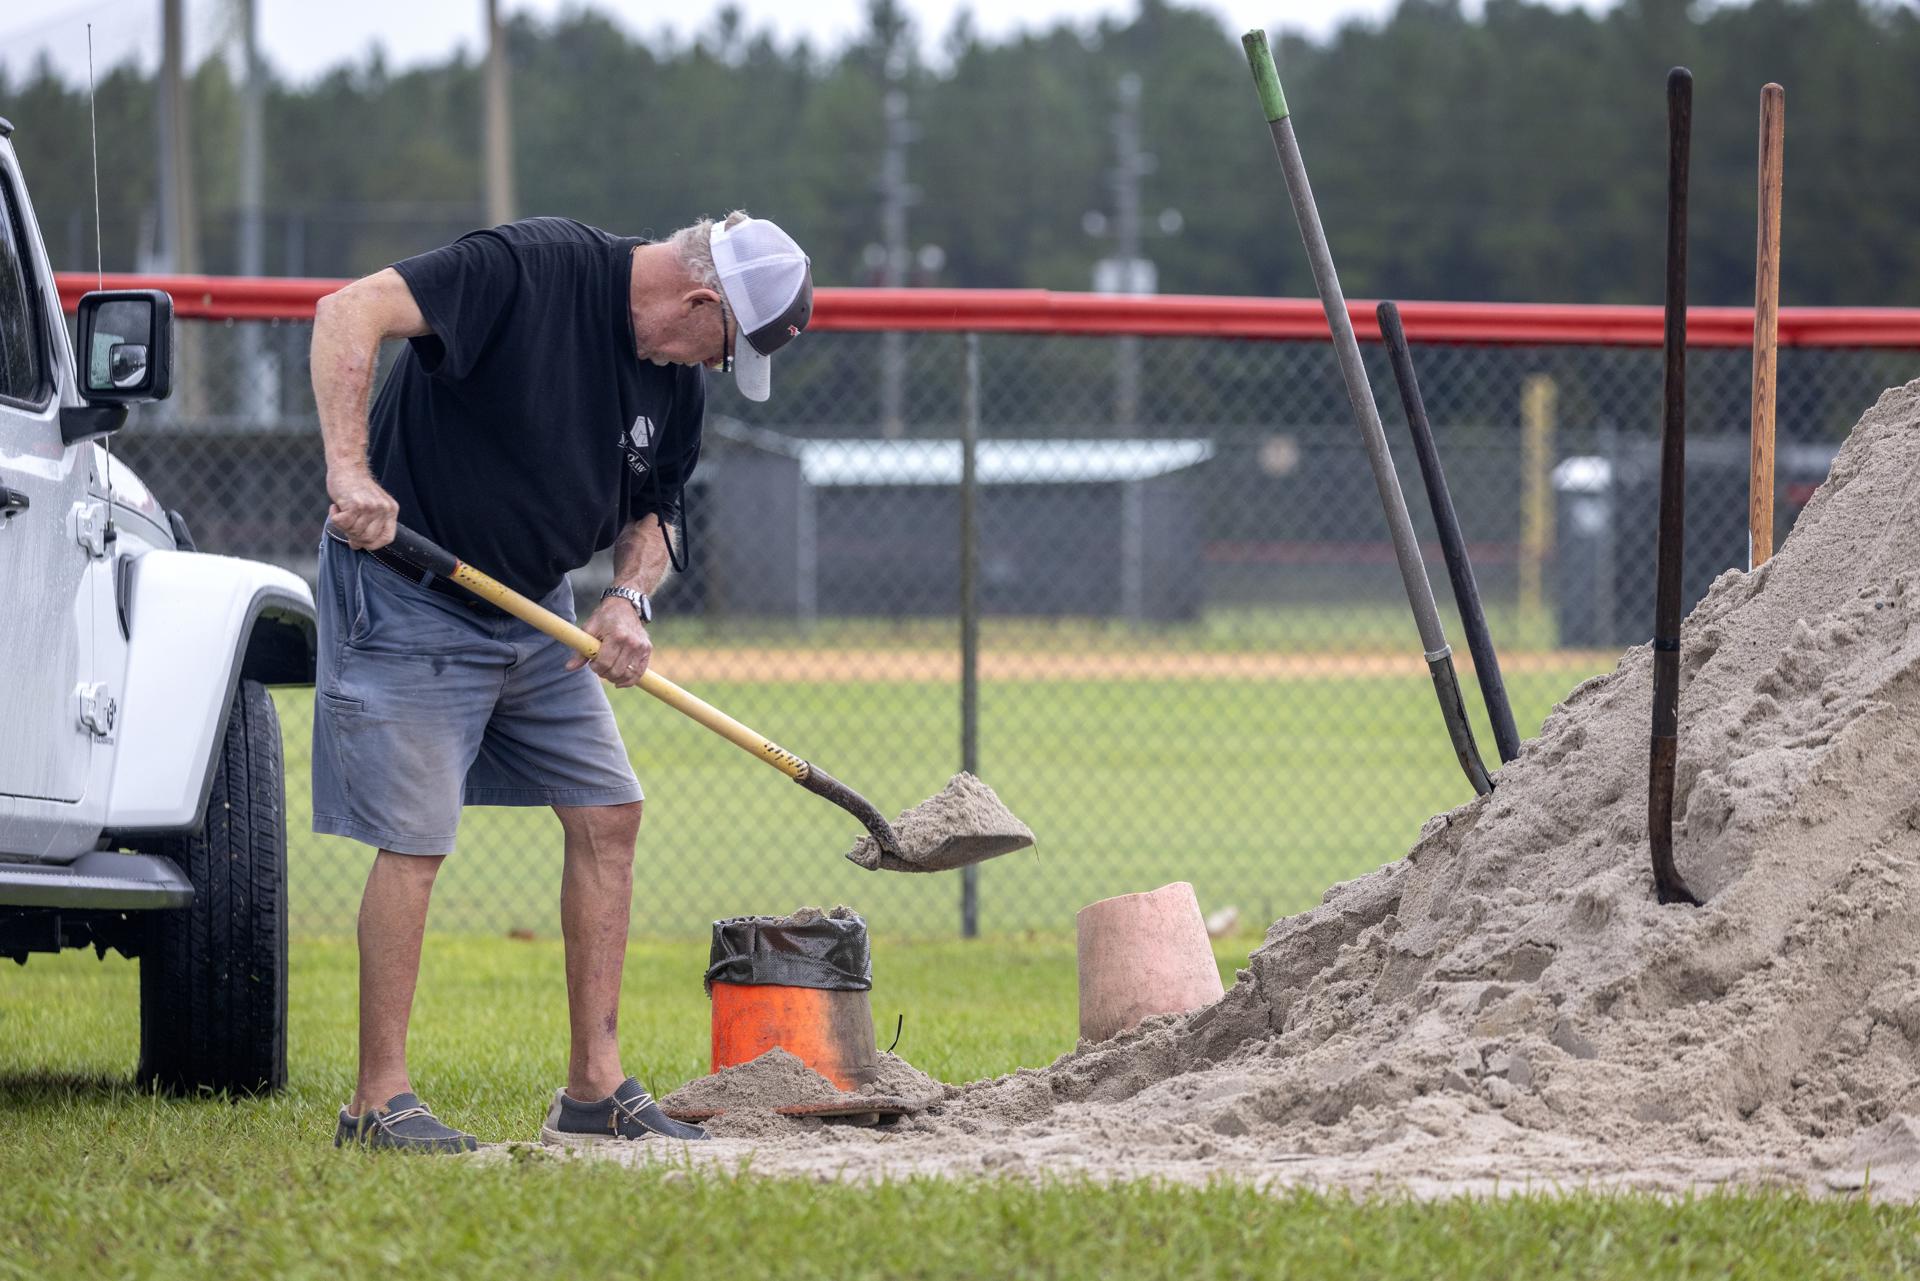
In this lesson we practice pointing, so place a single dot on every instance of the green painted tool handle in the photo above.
(1366, 414)
(1346, 349)
(1266, 77)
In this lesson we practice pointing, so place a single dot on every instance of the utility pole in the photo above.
(179, 226)
(260, 388)
(1127, 270)
(1130, 165)
(896, 195)
(252, 181)
(499, 141)
(179, 249)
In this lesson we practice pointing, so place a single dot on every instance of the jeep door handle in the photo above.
(11, 501)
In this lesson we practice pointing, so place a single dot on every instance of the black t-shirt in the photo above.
(524, 433)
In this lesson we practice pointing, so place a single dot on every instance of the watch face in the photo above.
(642, 604)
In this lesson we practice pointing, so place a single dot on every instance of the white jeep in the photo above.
(141, 799)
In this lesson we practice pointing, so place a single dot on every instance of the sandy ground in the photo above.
(1506, 1160)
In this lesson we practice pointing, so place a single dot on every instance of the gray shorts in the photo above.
(424, 705)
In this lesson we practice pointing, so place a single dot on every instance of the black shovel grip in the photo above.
(422, 552)
(417, 550)
(827, 787)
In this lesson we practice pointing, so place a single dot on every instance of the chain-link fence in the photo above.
(1194, 661)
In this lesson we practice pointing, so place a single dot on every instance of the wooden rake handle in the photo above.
(429, 557)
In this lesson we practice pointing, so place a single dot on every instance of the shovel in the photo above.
(964, 824)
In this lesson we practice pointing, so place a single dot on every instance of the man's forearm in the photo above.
(640, 559)
(343, 360)
(348, 328)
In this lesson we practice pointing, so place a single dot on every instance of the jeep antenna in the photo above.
(99, 270)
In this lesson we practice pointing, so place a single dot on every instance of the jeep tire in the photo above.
(213, 976)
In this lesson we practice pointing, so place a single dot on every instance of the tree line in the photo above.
(1516, 154)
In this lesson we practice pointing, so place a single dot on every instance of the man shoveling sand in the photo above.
(551, 370)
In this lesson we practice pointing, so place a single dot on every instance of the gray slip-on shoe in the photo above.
(626, 1115)
(402, 1124)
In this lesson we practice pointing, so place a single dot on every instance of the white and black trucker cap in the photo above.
(768, 283)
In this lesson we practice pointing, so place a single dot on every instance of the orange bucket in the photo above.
(831, 1032)
(798, 982)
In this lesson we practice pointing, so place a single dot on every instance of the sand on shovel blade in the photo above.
(962, 825)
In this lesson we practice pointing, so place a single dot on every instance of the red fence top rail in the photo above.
(1042, 311)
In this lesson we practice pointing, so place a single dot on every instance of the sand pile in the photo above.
(1516, 964)
(1508, 1003)
(776, 1079)
(748, 1095)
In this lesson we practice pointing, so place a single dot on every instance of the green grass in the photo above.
(1309, 627)
(491, 1030)
(1260, 792)
(101, 1180)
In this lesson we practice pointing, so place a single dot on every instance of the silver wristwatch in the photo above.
(642, 604)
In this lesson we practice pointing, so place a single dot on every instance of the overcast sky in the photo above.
(302, 38)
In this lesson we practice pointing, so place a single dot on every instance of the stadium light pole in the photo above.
(499, 123)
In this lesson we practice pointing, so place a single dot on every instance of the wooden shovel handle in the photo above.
(1766, 324)
(430, 556)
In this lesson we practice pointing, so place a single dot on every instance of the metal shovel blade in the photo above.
(964, 824)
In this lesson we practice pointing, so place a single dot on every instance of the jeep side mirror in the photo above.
(126, 346)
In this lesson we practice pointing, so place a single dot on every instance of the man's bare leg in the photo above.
(393, 916)
(596, 904)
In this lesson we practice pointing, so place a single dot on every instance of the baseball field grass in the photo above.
(1262, 790)
(102, 1180)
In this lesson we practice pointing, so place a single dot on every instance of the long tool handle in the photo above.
(1766, 323)
(1466, 591)
(1366, 415)
(1664, 756)
(429, 557)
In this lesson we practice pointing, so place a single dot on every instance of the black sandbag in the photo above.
(811, 948)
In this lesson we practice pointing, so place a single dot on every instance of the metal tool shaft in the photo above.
(1453, 543)
(1366, 415)
(1670, 560)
